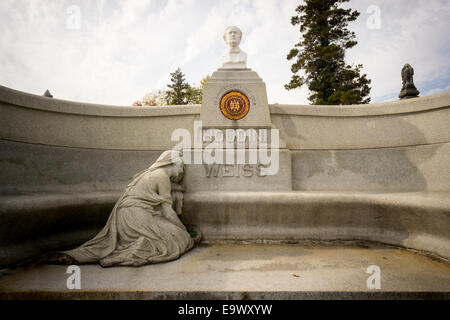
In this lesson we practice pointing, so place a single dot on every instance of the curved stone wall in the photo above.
(393, 169)
(35, 119)
(52, 149)
(391, 146)
(389, 124)
(40, 120)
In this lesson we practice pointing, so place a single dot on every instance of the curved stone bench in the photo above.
(37, 223)
(418, 220)
(390, 147)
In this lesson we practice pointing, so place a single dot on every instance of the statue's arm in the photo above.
(164, 187)
(177, 196)
(177, 187)
(177, 201)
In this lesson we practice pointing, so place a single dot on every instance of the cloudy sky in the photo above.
(114, 52)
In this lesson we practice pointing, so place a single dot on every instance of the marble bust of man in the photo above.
(234, 58)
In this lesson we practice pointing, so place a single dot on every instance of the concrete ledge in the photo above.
(33, 101)
(41, 120)
(36, 102)
(36, 223)
(421, 104)
(246, 271)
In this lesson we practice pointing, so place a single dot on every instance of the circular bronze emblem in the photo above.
(234, 105)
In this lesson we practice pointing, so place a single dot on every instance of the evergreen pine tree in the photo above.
(178, 93)
(321, 51)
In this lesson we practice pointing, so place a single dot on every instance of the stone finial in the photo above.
(47, 94)
(234, 58)
(409, 90)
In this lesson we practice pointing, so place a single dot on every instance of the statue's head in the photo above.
(407, 66)
(232, 36)
(172, 162)
(175, 172)
(176, 168)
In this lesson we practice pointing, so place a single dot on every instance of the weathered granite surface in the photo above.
(57, 155)
(247, 271)
(244, 80)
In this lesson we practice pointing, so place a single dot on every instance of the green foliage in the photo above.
(178, 89)
(203, 81)
(180, 92)
(320, 54)
(194, 95)
(193, 234)
(154, 98)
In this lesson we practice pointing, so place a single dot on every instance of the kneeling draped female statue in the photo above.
(143, 228)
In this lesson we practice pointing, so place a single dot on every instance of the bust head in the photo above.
(234, 57)
(232, 36)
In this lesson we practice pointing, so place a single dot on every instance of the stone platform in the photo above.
(247, 271)
(43, 222)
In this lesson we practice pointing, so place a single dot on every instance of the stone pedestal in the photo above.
(409, 91)
(235, 103)
(245, 81)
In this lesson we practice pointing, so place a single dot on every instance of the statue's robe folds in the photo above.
(136, 233)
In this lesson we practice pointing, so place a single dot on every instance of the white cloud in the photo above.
(127, 48)
(411, 32)
(437, 90)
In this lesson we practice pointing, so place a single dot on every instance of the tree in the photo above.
(154, 98)
(181, 93)
(203, 81)
(195, 94)
(178, 93)
(321, 51)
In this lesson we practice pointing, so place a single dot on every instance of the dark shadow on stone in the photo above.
(376, 169)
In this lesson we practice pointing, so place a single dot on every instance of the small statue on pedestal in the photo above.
(409, 90)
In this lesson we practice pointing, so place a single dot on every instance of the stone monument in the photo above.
(378, 174)
(239, 91)
(235, 104)
(409, 90)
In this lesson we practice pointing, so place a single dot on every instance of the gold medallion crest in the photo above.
(234, 105)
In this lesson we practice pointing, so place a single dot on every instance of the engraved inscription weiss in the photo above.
(236, 170)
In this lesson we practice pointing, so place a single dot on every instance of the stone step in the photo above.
(246, 271)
